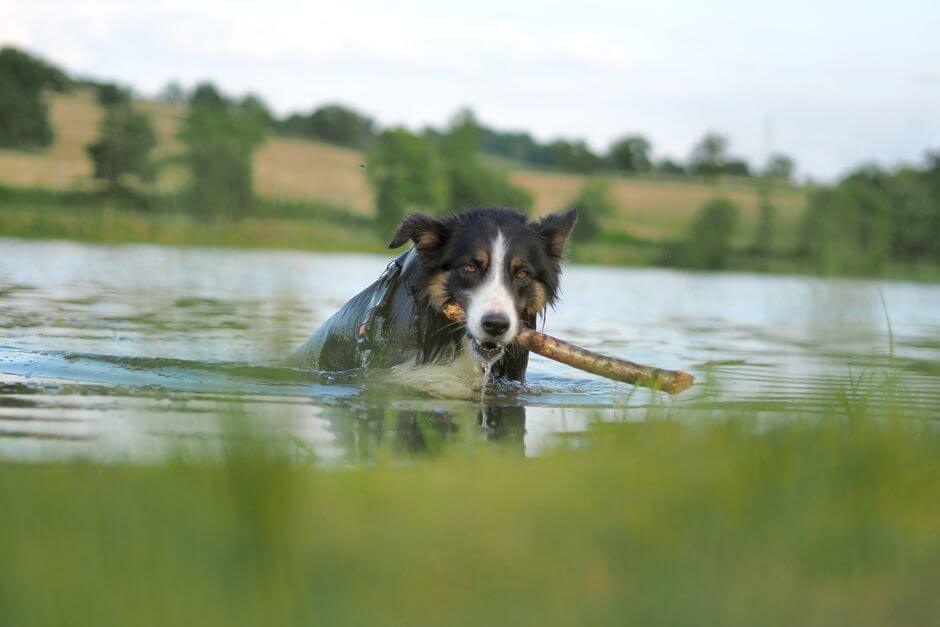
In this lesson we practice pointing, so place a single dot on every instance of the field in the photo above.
(808, 521)
(287, 169)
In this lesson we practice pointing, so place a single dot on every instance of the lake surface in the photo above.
(128, 352)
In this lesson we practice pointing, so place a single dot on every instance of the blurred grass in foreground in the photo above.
(821, 520)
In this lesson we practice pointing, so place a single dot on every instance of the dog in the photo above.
(501, 268)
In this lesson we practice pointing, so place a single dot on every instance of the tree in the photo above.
(207, 94)
(593, 203)
(470, 182)
(220, 140)
(112, 94)
(463, 139)
(849, 228)
(708, 242)
(779, 167)
(631, 154)
(334, 124)
(736, 167)
(254, 105)
(24, 117)
(122, 152)
(574, 156)
(173, 93)
(709, 156)
(763, 238)
(407, 174)
(670, 167)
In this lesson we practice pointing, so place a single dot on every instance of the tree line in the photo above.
(870, 219)
(631, 154)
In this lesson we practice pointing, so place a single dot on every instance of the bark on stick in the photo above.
(671, 381)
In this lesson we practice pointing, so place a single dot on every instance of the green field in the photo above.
(649, 210)
(829, 519)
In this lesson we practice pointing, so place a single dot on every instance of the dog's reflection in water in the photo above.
(369, 433)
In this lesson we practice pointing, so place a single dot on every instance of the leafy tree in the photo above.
(122, 152)
(112, 94)
(173, 93)
(574, 156)
(708, 242)
(848, 228)
(519, 146)
(463, 139)
(631, 154)
(709, 156)
(207, 94)
(736, 167)
(593, 203)
(780, 167)
(334, 124)
(24, 117)
(766, 213)
(220, 140)
(469, 181)
(668, 166)
(254, 105)
(407, 174)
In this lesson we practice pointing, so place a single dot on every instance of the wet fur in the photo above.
(407, 333)
(446, 245)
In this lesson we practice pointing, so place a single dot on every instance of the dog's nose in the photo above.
(495, 324)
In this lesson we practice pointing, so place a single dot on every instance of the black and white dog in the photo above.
(502, 269)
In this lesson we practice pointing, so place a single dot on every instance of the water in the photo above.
(130, 351)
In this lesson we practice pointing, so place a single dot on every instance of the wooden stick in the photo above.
(671, 381)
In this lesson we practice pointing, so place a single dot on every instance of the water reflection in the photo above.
(118, 350)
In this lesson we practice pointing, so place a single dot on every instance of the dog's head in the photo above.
(500, 268)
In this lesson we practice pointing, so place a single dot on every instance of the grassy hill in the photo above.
(650, 209)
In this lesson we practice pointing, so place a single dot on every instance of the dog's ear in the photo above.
(554, 230)
(426, 232)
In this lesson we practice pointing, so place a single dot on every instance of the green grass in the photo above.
(84, 216)
(829, 519)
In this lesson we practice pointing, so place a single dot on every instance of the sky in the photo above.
(833, 84)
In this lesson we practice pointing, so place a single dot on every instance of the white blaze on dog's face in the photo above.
(498, 266)
(492, 314)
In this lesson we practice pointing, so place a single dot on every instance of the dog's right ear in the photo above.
(425, 231)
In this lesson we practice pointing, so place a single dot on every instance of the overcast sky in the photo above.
(834, 84)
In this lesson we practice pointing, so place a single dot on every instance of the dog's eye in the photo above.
(522, 275)
(470, 268)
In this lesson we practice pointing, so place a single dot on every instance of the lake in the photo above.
(134, 351)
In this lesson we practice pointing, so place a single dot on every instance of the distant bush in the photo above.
(24, 118)
(334, 124)
(121, 155)
(220, 138)
(708, 242)
(593, 203)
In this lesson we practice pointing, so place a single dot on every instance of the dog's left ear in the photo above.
(554, 230)
(426, 232)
